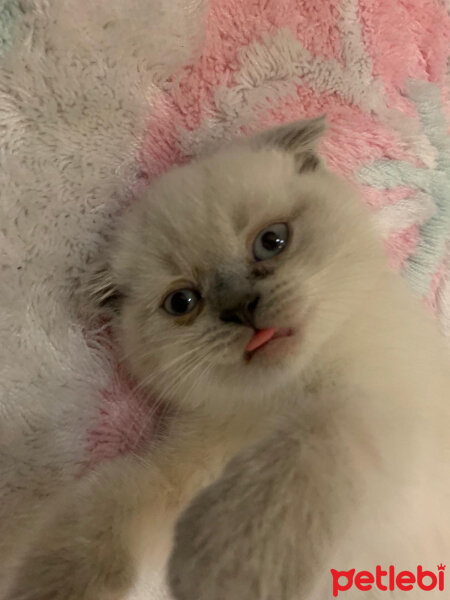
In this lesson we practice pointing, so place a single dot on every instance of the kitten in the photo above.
(249, 291)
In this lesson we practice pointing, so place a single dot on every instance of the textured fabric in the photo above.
(95, 103)
(9, 12)
(379, 72)
(75, 94)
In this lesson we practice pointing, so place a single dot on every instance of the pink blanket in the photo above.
(379, 70)
(97, 99)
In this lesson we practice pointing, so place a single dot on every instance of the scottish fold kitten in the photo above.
(249, 291)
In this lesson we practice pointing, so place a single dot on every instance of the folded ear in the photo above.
(298, 138)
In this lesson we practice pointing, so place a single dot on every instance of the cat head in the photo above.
(232, 272)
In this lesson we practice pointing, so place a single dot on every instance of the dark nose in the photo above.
(242, 313)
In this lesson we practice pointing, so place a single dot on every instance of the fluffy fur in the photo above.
(339, 431)
(76, 91)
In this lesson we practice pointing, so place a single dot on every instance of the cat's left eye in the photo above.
(181, 302)
(270, 241)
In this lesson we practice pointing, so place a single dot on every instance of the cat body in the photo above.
(356, 479)
(249, 291)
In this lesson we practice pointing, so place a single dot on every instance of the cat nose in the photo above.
(242, 313)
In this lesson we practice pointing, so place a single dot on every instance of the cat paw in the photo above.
(76, 555)
(240, 538)
(209, 558)
(64, 575)
(220, 543)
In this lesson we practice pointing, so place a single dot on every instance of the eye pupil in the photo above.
(180, 302)
(271, 240)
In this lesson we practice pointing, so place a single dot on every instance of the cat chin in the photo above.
(254, 383)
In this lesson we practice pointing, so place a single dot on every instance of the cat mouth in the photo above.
(264, 337)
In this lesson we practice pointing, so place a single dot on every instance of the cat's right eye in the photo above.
(181, 302)
(270, 241)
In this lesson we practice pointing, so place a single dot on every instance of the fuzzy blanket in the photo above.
(95, 103)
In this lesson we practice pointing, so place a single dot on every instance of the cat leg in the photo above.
(264, 528)
(122, 514)
(81, 551)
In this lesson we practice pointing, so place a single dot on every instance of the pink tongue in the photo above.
(260, 338)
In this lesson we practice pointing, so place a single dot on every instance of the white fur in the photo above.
(74, 99)
(43, 346)
(360, 393)
(379, 373)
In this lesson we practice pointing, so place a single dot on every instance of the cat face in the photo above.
(236, 269)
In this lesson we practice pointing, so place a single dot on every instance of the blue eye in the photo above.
(270, 241)
(181, 302)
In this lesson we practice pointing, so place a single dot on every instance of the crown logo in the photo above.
(441, 567)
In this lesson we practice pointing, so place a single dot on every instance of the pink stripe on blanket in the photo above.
(376, 198)
(401, 245)
(280, 61)
(408, 39)
(127, 421)
(437, 281)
